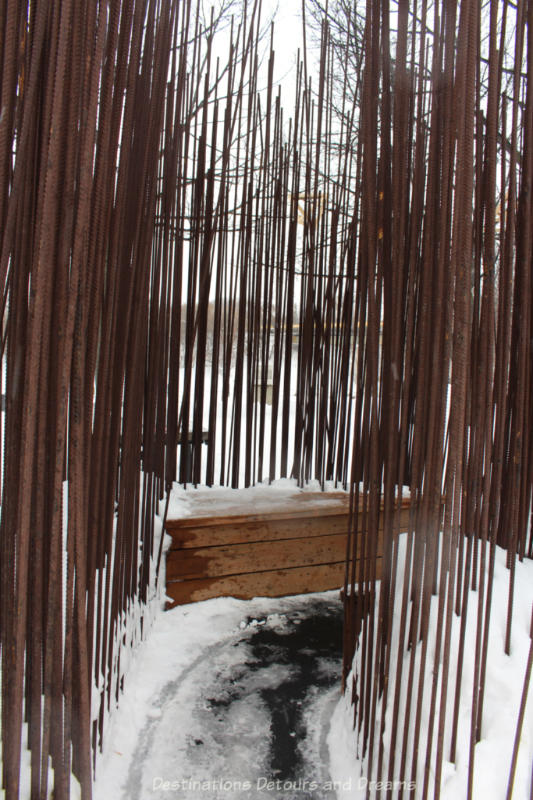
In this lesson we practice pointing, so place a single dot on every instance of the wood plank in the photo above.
(210, 504)
(241, 529)
(272, 583)
(265, 530)
(299, 506)
(252, 550)
(333, 509)
(209, 562)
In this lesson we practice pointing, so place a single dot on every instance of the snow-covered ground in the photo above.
(503, 692)
(194, 722)
(226, 699)
(232, 699)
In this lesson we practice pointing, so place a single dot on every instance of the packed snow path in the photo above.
(249, 716)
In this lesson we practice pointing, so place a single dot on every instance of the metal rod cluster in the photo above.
(83, 101)
(445, 273)
(200, 287)
(256, 298)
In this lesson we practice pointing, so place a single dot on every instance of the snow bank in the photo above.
(503, 691)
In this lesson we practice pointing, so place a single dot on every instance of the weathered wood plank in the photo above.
(272, 583)
(193, 533)
(207, 506)
(297, 547)
(266, 530)
(210, 562)
(298, 506)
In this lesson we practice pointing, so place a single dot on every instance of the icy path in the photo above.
(230, 699)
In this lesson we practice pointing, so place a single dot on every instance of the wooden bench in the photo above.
(299, 546)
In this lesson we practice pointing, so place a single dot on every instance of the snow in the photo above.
(195, 711)
(202, 651)
(219, 500)
(263, 497)
(504, 686)
(168, 705)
